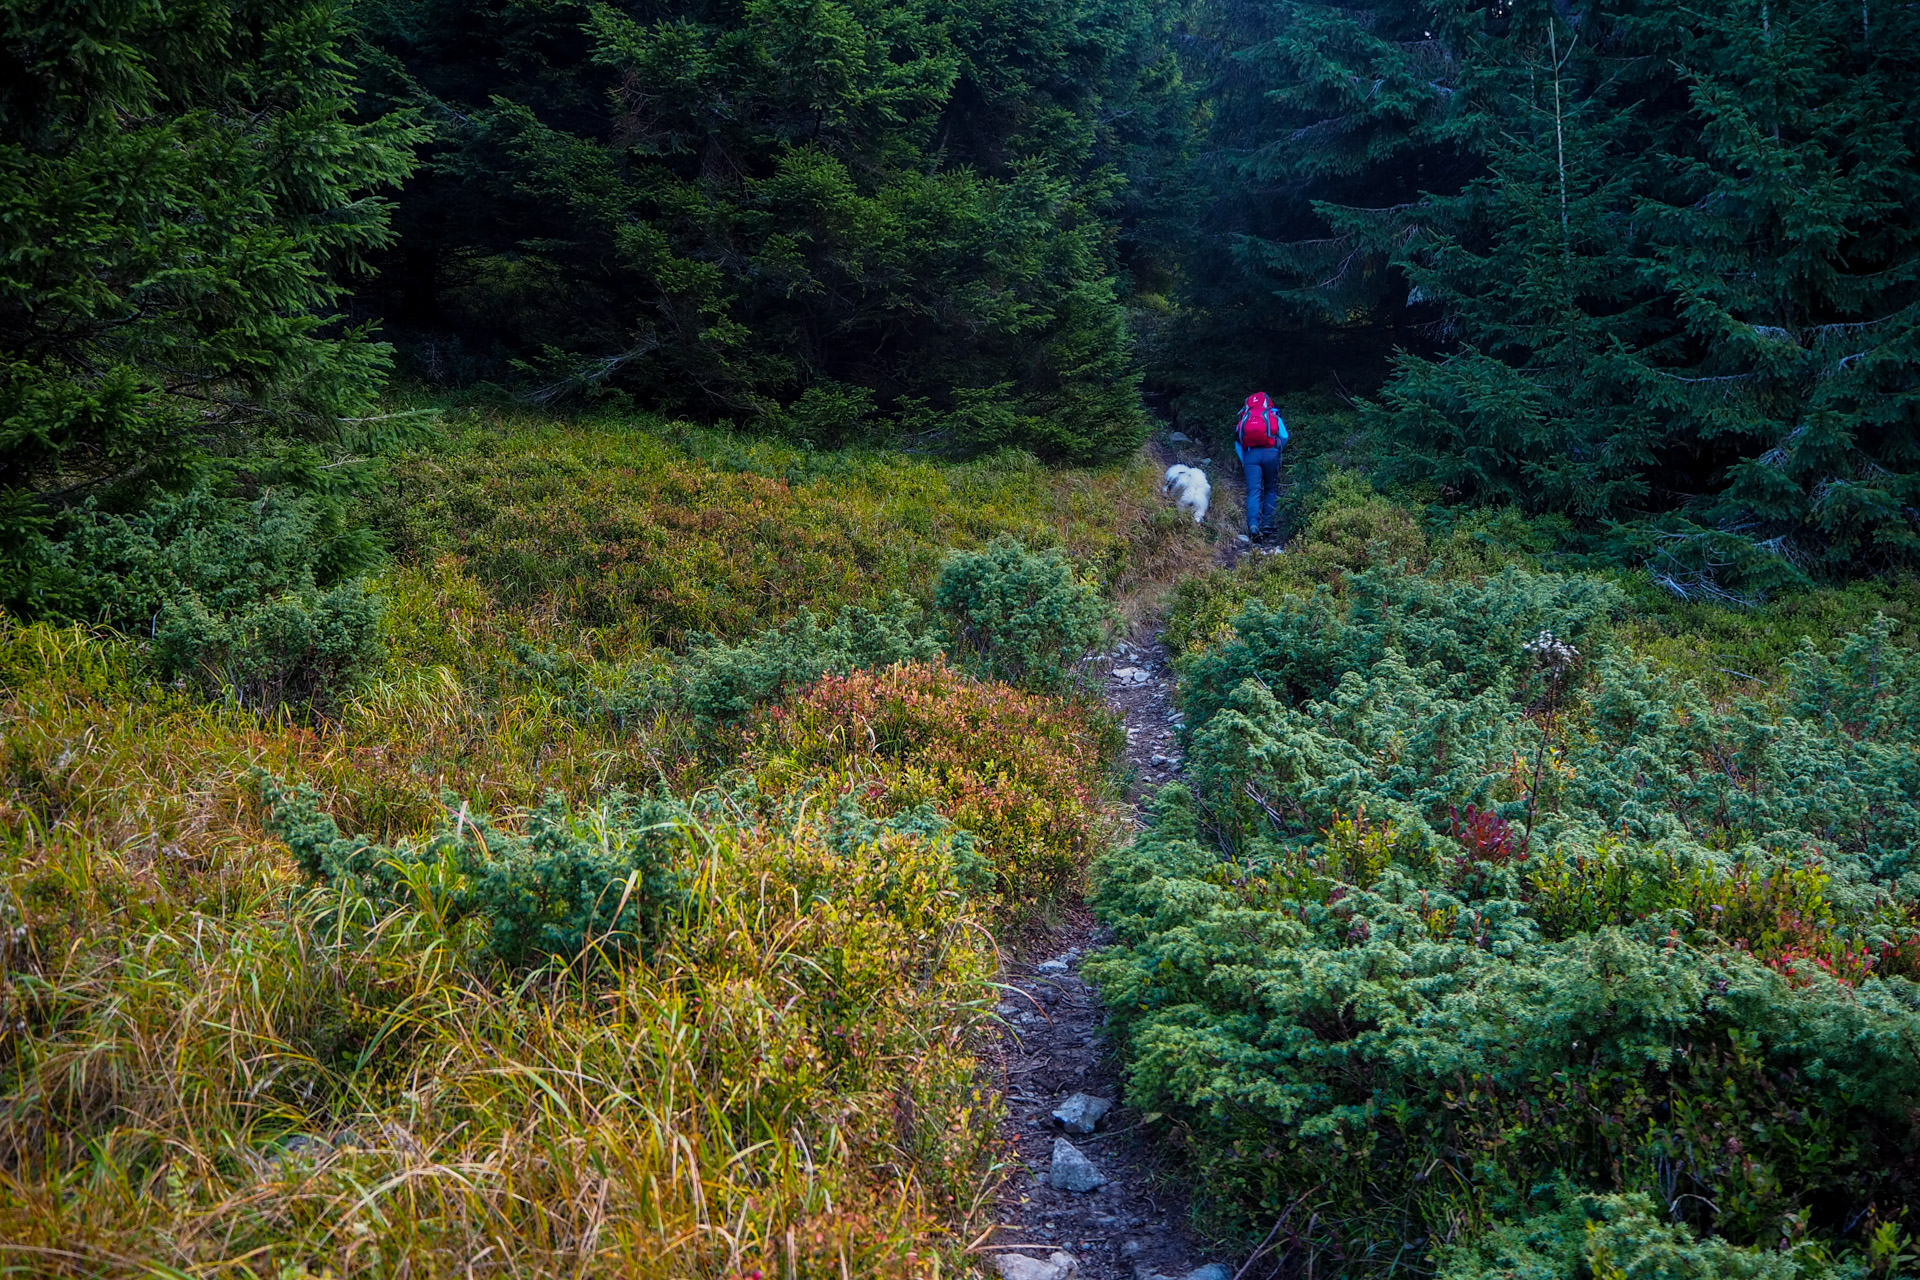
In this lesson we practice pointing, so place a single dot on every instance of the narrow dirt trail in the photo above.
(1133, 1225)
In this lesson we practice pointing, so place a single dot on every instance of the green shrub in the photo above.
(1347, 528)
(829, 414)
(1018, 615)
(720, 684)
(602, 879)
(255, 600)
(716, 685)
(304, 647)
(1476, 913)
(1616, 1238)
(1474, 631)
(619, 695)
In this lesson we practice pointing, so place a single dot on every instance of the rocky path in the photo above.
(1088, 1198)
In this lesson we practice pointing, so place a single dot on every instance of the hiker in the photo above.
(1258, 437)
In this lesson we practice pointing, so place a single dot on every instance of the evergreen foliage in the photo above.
(1019, 615)
(1306, 105)
(1461, 890)
(720, 684)
(1650, 267)
(602, 880)
(183, 189)
(1686, 285)
(252, 600)
(794, 214)
(1619, 1238)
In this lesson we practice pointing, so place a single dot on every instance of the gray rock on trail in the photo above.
(1131, 675)
(1071, 1170)
(1018, 1266)
(1212, 1271)
(1081, 1113)
(1179, 437)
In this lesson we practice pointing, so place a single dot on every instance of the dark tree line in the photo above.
(1647, 266)
(822, 216)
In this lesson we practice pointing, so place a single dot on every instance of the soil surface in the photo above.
(1134, 1226)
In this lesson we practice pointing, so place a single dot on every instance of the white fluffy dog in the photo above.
(1190, 489)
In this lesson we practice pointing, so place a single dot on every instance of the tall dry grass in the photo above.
(281, 1083)
(210, 1066)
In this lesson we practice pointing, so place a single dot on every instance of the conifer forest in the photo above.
(603, 674)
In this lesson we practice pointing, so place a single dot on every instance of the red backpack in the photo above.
(1260, 426)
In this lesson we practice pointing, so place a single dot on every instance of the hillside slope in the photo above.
(276, 983)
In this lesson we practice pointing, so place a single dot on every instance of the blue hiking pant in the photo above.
(1263, 486)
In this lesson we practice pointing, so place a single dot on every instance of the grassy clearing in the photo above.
(213, 1065)
(651, 534)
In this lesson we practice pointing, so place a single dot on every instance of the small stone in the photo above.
(1212, 1271)
(1160, 761)
(1072, 1171)
(1245, 538)
(1081, 1113)
(1018, 1266)
(1131, 676)
(1130, 1249)
(1056, 965)
(1179, 437)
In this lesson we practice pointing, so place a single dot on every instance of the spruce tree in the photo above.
(1682, 303)
(1532, 268)
(1787, 236)
(184, 188)
(1308, 104)
(808, 217)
